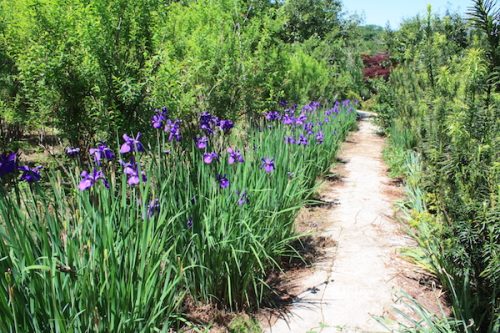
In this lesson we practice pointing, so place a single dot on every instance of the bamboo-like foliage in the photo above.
(444, 107)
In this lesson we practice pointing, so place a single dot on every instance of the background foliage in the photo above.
(93, 68)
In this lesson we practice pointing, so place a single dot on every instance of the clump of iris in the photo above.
(267, 164)
(72, 151)
(89, 179)
(201, 142)
(311, 107)
(132, 144)
(209, 123)
(131, 170)
(8, 163)
(173, 129)
(30, 175)
(153, 207)
(308, 128)
(320, 137)
(223, 181)
(234, 156)
(243, 198)
(302, 140)
(272, 115)
(102, 151)
(209, 157)
(159, 117)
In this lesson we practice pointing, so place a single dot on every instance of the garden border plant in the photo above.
(117, 245)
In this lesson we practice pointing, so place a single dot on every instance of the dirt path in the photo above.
(360, 276)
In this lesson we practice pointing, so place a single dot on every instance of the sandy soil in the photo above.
(360, 273)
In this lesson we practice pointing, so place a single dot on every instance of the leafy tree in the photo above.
(307, 18)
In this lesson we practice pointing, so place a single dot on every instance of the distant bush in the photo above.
(377, 66)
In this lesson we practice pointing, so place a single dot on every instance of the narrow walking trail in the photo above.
(360, 276)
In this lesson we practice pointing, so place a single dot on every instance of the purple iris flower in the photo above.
(302, 140)
(243, 198)
(72, 151)
(210, 157)
(225, 125)
(207, 128)
(131, 144)
(283, 103)
(327, 120)
(100, 152)
(301, 119)
(313, 106)
(267, 164)
(131, 169)
(30, 175)
(189, 223)
(307, 108)
(8, 163)
(201, 142)
(207, 121)
(157, 121)
(308, 127)
(234, 156)
(288, 119)
(336, 108)
(223, 181)
(153, 207)
(206, 118)
(273, 115)
(289, 140)
(160, 116)
(89, 179)
(320, 137)
(173, 128)
(175, 134)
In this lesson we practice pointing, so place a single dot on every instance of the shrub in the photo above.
(94, 69)
(442, 104)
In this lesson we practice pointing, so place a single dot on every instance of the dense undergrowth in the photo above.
(440, 109)
(92, 69)
(117, 246)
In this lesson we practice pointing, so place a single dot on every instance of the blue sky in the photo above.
(381, 11)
